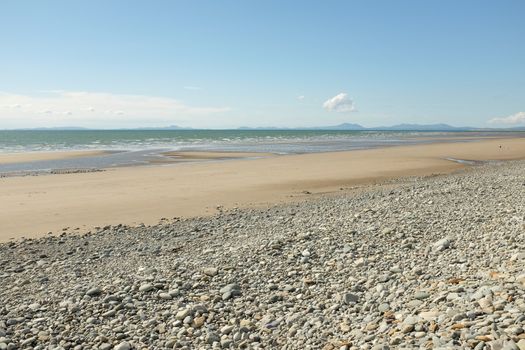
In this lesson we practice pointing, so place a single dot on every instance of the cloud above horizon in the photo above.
(339, 103)
(518, 118)
(58, 108)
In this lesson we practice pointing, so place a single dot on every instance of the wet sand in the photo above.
(189, 156)
(10, 158)
(32, 206)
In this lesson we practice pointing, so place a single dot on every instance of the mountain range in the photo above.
(397, 127)
(343, 126)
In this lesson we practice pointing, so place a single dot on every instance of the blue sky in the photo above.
(258, 63)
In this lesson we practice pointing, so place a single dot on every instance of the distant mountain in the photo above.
(171, 127)
(422, 127)
(344, 126)
(357, 127)
(58, 128)
(262, 128)
(73, 128)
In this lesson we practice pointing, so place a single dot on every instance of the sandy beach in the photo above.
(32, 206)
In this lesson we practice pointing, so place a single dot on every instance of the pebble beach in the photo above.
(432, 262)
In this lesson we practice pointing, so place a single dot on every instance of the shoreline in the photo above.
(33, 206)
(42, 162)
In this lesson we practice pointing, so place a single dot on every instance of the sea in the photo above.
(140, 147)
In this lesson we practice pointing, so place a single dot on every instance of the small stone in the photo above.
(122, 346)
(387, 231)
(212, 337)
(230, 291)
(43, 336)
(109, 313)
(429, 315)
(182, 314)
(383, 307)
(349, 298)
(34, 306)
(380, 347)
(210, 271)
(414, 303)
(165, 296)
(421, 295)
(226, 329)
(246, 324)
(28, 341)
(441, 245)
(371, 326)
(198, 321)
(148, 287)
(480, 346)
(360, 262)
(94, 291)
(226, 343)
(485, 303)
(230, 288)
(407, 328)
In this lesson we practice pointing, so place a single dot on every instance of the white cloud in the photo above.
(98, 109)
(300, 97)
(339, 103)
(192, 88)
(517, 118)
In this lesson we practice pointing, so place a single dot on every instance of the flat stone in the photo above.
(94, 291)
(421, 295)
(230, 290)
(383, 307)
(148, 287)
(165, 296)
(198, 321)
(226, 329)
(441, 245)
(182, 314)
(349, 298)
(123, 346)
(210, 271)
(429, 315)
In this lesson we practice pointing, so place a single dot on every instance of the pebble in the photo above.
(123, 346)
(147, 287)
(421, 295)
(94, 291)
(210, 271)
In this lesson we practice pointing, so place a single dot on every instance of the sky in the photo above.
(226, 64)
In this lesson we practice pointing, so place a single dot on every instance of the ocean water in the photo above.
(276, 141)
(131, 147)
